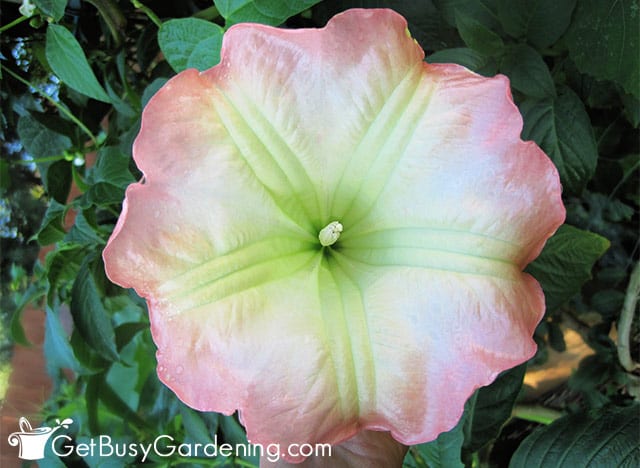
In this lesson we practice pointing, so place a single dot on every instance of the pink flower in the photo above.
(330, 233)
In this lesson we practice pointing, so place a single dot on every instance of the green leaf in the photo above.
(56, 178)
(483, 11)
(541, 22)
(423, 18)
(604, 41)
(62, 267)
(102, 194)
(33, 293)
(51, 229)
(490, 407)
(273, 12)
(39, 140)
(556, 338)
(562, 128)
(56, 346)
(608, 437)
(477, 36)
(444, 452)
(194, 426)
(51, 8)
(565, 263)
(190, 43)
(90, 316)
(127, 332)
(469, 58)
(84, 232)
(528, 72)
(5, 178)
(112, 167)
(68, 62)
(631, 109)
(118, 406)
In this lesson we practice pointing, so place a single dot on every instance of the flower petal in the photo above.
(422, 298)
(369, 448)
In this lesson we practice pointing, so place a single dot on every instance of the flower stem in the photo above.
(208, 14)
(15, 22)
(626, 320)
(112, 16)
(56, 103)
(536, 413)
(147, 11)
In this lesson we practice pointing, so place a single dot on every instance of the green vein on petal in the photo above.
(357, 324)
(249, 276)
(381, 147)
(432, 259)
(282, 152)
(281, 176)
(432, 238)
(336, 336)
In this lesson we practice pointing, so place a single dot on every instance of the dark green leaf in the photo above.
(631, 109)
(112, 167)
(90, 361)
(593, 371)
(102, 194)
(91, 397)
(607, 438)
(33, 292)
(556, 338)
(483, 11)
(41, 141)
(194, 426)
(147, 46)
(541, 22)
(444, 452)
(566, 262)
(5, 178)
(51, 229)
(51, 8)
(90, 316)
(469, 58)
(67, 60)
(477, 36)
(490, 407)
(190, 43)
(608, 302)
(528, 72)
(116, 405)
(233, 431)
(424, 20)
(56, 178)
(84, 232)
(261, 11)
(127, 331)
(62, 266)
(604, 41)
(562, 128)
(57, 349)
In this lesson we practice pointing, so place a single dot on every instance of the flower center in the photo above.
(330, 233)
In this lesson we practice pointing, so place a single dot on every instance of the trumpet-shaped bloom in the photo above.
(330, 233)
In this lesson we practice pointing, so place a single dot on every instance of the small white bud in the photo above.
(27, 8)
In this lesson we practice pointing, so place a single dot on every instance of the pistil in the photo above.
(330, 233)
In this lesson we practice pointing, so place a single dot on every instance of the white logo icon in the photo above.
(32, 442)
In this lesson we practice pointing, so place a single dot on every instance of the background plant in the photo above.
(75, 78)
